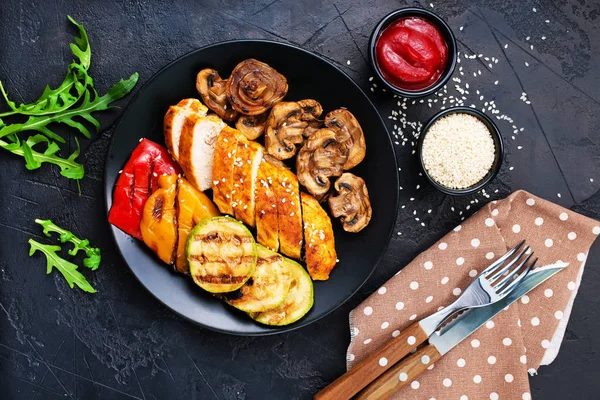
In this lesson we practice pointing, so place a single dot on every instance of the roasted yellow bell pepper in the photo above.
(194, 206)
(159, 225)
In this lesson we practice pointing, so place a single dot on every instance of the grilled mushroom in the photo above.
(252, 126)
(352, 204)
(349, 133)
(311, 111)
(254, 87)
(211, 88)
(283, 130)
(321, 157)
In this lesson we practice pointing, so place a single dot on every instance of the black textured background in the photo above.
(121, 343)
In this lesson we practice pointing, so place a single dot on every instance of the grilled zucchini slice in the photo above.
(222, 254)
(267, 287)
(297, 303)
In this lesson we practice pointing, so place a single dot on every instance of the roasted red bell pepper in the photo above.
(138, 180)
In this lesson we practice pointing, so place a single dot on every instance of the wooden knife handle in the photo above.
(401, 374)
(374, 365)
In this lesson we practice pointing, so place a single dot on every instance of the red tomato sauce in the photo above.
(411, 53)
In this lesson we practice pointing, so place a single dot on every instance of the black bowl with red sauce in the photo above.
(413, 52)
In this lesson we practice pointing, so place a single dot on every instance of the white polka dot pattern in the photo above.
(491, 363)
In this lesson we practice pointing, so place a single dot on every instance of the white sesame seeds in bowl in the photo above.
(460, 150)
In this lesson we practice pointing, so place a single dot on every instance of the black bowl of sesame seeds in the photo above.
(460, 150)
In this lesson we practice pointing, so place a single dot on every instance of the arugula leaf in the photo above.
(69, 167)
(61, 98)
(66, 268)
(93, 258)
(84, 111)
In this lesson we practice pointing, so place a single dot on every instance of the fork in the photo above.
(491, 285)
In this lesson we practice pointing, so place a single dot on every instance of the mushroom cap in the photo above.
(321, 157)
(352, 204)
(252, 126)
(349, 133)
(311, 111)
(211, 88)
(283, 130)
(254, 87)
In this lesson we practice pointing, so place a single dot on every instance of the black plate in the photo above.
(309, 76)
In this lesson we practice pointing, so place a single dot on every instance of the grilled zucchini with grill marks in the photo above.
(222, 254)
(267, 287)
(297, 303)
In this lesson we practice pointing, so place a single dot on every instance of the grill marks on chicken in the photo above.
(277, 208)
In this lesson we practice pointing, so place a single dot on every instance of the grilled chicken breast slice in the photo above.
(318, 234)
(267, 224)
(222, 168)
(174, 120)
(289, 213)
(245, 169)
(197, 148)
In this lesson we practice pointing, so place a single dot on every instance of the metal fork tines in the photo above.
(491, 285)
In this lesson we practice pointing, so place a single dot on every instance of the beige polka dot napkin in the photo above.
(494, 361)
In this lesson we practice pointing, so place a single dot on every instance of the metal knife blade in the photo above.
(467, 323)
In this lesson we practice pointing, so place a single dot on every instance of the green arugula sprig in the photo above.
(61, 98)
(72, 104)
(93, 258)
(69, 167)
(66, 268)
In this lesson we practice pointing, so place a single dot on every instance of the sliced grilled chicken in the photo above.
(222, 168)
(197, 148)
(267, 225)
(174, 120)
(289, 213)
(318, 234)
(245, 169)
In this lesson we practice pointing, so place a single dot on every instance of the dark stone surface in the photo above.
(121, 343)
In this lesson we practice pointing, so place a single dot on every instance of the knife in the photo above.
(405, 371)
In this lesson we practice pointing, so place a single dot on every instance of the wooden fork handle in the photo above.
(379, 361)
(401, 374)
